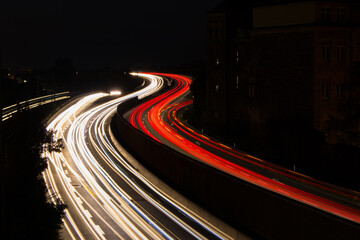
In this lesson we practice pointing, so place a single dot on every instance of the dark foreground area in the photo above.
(27, 212)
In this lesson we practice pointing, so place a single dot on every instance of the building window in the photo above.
(325, 14)
(217, 61)
(237, 55)
(324, 91)
(252, 91)
(341, 54)
(217, 88)
(339, 91)
(326, 53)
(340, 15)
(237, 83)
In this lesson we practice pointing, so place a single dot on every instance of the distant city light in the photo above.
(25, 81)
(115, 93)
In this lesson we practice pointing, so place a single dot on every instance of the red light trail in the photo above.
(171, 102)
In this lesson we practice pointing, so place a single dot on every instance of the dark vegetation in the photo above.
(27, 211)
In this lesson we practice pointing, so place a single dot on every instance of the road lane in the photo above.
(107, 198)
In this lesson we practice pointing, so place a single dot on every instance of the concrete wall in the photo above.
(256, 212)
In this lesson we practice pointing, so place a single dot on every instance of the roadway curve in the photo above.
(107, 197)
(160, 118)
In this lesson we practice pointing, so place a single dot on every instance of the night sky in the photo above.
(97, 34)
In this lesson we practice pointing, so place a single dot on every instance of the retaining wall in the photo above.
(255, 211)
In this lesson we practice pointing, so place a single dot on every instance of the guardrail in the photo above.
(7, 112)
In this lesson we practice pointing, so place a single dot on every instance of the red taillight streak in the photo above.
(231, 168)
(246, 157)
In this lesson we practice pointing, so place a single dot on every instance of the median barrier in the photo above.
(255, 211)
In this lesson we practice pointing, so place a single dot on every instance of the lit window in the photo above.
(324, 91)
(326, 53)
(325, 14)
(340, 15)
(237, 83)
(341, 54)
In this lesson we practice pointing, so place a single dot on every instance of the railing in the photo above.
(7, 112)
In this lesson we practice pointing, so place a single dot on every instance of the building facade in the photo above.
(288, 62)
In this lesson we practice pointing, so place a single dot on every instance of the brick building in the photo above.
(282, 61)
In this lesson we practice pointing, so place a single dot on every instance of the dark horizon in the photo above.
(112, 34)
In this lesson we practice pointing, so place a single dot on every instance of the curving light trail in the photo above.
(107, 197)
(159, 114)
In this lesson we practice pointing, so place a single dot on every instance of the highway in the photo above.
(106, 196)
(161, 119)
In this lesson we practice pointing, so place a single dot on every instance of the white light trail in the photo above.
(85, 131)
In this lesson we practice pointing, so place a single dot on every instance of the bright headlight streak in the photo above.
(95, 212)
(62, 119)
(193, 216)
(114, 185)
(91, 167)
(156, 83)
(102, 139)
(115, 93)
(85, 155)
(85, 151)
(52, 185)
(78, 205)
